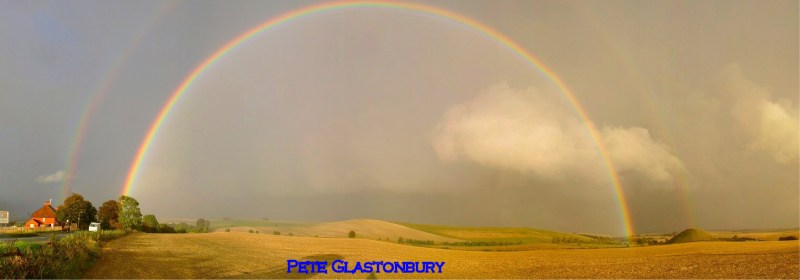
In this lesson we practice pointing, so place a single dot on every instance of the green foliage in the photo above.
(351, 234)
(108, 215)
(183, 228)
(467, 243)
(18, 234)
(202, 225)
(165, 228)
(130, 216)
(691, 235)
(415, 242)
(68, 257)
(250, 231)
(568, 239)
(77, 210)
(150, 223)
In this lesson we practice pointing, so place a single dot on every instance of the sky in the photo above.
(405, 116)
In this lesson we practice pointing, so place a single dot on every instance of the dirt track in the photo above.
(243, 255)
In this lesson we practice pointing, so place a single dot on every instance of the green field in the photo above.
(499, 234)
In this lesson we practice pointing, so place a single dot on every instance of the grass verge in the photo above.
(68, 257)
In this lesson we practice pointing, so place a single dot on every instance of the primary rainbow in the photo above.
(339, 5)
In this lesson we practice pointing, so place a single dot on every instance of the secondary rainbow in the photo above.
(413, 7)
(99, 94)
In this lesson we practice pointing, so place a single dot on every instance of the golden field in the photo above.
(245, 255)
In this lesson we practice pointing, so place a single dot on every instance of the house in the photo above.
(44, 217)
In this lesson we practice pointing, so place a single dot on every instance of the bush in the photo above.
(250, 231)
(276, 232)
(69, 257)
(257, 232)
(351, 234)
(291, 234)
(18, 234)
(165, 228)
(419, 242)
(787, 238)
(227, 230)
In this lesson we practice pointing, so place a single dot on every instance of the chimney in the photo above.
(47, 203)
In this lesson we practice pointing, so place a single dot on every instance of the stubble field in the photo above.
(244, 255)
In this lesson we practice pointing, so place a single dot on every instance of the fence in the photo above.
(11, 229)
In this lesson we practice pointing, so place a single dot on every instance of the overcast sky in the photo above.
(403, 116)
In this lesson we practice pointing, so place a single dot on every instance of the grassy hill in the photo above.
(691, 235)
(499, 234)
(364, 228)
(454, 237)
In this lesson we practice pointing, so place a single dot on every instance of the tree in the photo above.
(351, 234)
(202, 225)
(165, 228)
(108, 215)
(130, 217)
(182, 228)
(150, 223)
(77, 210)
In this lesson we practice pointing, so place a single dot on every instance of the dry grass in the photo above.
(757, 234)
(241, 255)
(364, 228)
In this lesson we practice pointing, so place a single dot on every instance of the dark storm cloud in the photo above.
(392, 115)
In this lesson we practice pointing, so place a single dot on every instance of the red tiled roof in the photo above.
(46, 211)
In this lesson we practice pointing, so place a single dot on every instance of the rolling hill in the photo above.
(500, 234)
(691, 235)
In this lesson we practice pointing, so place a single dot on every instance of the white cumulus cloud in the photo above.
(632, 149)
(52, 178)
(526, 131)
(771, 125)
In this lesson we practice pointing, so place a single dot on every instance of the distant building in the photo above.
(44, 217)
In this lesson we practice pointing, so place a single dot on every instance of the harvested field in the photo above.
(242, 255)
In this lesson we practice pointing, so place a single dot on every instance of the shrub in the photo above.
(69, 257)
(18, 234)
(276, 232)
(227, 230)
(291, 234)
(257, 232)
(250, 231)
(165, 228)
(787, 238)
(351, 234)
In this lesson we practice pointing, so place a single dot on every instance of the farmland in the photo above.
(246, 255)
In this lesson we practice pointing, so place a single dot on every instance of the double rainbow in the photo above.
(412, 7)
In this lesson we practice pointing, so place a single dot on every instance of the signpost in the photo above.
(4, 218)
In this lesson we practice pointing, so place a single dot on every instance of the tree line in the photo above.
(123, 213)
